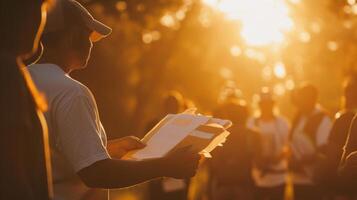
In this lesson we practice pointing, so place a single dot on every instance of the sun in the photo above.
(263, 21)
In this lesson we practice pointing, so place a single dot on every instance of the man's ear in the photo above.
(70, 40)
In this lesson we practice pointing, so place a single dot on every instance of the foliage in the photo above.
(157, 46)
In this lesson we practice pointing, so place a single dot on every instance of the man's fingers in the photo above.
(136, 142)
(129, 143)
(119, 147)
(351, 159)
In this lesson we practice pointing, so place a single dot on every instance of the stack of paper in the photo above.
(201, 133)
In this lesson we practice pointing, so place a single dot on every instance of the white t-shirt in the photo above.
(77, 137)
(302, 145)
(274, 134)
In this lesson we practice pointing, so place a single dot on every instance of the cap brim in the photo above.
(99, 29)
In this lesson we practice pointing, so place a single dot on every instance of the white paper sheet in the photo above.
(169, 135)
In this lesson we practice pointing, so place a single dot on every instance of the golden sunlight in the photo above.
(263, 21)
(279, 70)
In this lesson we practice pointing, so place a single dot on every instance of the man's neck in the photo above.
(57, 61)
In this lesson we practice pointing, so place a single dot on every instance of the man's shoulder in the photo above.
(50, 79)
(76, 87)
(344, 115)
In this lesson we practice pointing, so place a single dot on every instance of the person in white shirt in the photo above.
(270, 173)
(309, 136)
(81, 157)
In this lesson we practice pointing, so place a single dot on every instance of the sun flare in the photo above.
(263, 21)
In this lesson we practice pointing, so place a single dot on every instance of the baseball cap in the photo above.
(61, 16)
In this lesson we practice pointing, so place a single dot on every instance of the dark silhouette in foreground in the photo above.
(25, 169)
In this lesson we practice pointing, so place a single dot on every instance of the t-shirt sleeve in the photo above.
(78, 132)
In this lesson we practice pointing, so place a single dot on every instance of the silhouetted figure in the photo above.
(309, 136)
(231, 165)
(83, 159)
(348, 175)
(328, 176)
(348, 166)
(24, 166)
(270, 174)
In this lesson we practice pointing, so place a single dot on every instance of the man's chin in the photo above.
(79, 67)
(84, 66)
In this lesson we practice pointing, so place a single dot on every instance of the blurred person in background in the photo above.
(172, 103)
(25, 166)
(348, 167)
(270, 174)
(169, 188)
(231, 165)
(81, 157)
(328, 176)
(309, 136)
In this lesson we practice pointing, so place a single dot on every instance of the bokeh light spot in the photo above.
(332, 45)
(279, 70)
(235, 51)
(263, 21)
(121, 6)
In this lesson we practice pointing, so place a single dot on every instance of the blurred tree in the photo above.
(189, 46)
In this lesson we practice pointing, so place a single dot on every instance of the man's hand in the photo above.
(117, 148)
(351, 162)
(181, 164)
(348, 170)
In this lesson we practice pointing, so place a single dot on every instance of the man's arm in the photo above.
(80, 141)
(111, 173)
(351, 141)
(349, 169)
(348, 165)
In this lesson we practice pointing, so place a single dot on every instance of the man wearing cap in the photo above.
(81, 158)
